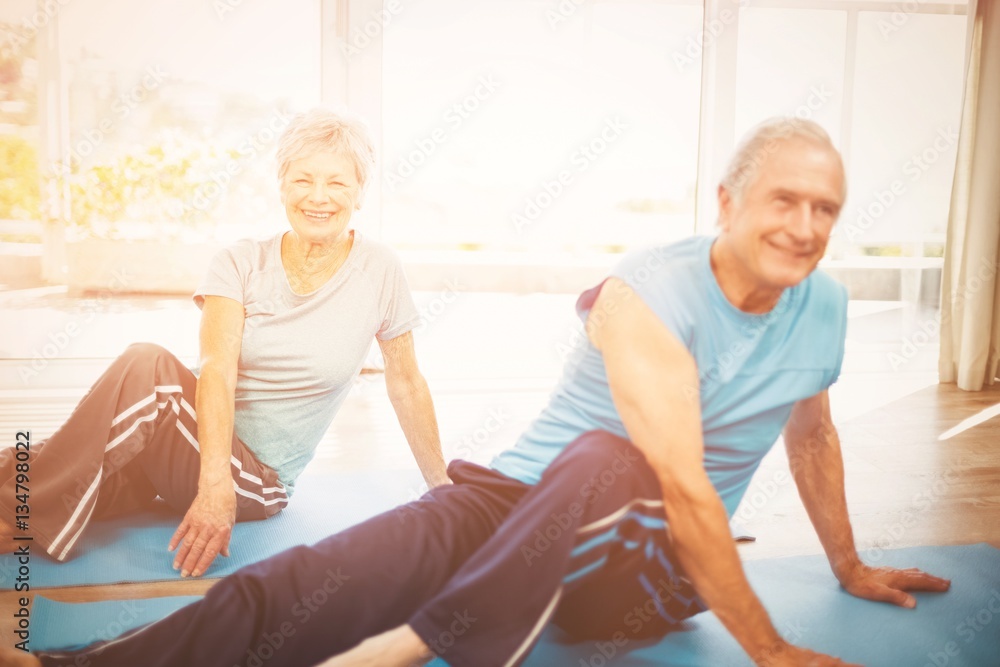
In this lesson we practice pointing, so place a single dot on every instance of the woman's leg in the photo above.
(311, 602)
(132, 437)
(568, 538)
(168, 467)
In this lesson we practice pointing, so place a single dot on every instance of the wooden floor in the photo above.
(896, 469)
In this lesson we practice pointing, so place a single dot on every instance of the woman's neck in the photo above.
(308, 265)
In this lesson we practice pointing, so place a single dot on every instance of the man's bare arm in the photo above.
(654, 385)
(818, 468)
(817, 465)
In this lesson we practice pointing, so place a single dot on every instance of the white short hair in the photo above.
(763, 140)
(322, 130)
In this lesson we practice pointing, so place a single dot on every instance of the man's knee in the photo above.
(598, 447)
(605, 457)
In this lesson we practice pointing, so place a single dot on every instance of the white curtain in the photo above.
(970, 291)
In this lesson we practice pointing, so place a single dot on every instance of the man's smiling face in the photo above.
(780, 224)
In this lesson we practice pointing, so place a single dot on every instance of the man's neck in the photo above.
(740, 287)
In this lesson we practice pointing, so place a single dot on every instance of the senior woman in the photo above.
(286, 324)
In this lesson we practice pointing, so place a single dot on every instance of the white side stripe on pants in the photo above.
(72, 519)
(159, 389)
(235, 461)
(87, 501)
(92, 489)
(619, 513)
(535, 631)
(245, 475)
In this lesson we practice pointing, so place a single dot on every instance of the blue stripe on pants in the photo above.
(563, 555)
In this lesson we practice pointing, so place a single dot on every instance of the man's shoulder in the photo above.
(659, 263)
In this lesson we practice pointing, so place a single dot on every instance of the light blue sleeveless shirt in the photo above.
(752, 368)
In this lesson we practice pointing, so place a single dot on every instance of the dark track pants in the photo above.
(476, 568)
(133, 436)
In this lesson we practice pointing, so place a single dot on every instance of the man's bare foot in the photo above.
(399, 647)
(11, 657)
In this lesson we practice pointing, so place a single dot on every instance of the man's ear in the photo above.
(725, 207)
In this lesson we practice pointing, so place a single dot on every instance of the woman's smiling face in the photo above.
(320, 192)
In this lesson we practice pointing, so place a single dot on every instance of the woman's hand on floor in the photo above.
(205, 531)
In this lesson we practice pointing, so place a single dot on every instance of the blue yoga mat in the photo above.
(68, 626)
(960, 628)
(134, 548)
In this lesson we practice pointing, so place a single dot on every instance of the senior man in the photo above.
(610, 513)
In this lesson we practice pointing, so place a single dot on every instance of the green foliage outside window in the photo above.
(19, 184)
(161, 189)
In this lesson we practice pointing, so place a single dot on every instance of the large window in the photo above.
(503, 126)
(887, 84)
(19, 130)
(523, 144)
(517, 125)
(174, 108)
(483, 105)
(905, 115)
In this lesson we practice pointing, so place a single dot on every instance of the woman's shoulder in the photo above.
(252, 251)
(251, 247)
(254, 245)
(374, 253)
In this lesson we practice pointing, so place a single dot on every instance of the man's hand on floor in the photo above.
(887, 584)
(204, 533)
(787, 655)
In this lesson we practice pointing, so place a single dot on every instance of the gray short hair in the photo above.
(322, 130)
(763, 140)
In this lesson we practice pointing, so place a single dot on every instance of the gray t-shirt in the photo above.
(301, 353)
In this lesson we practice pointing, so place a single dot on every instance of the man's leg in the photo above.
(565, 531)
(311, 602)
(636, 590)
